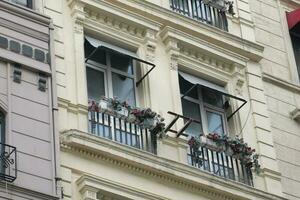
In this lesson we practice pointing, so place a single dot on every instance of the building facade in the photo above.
(204, 69)
(28, 167)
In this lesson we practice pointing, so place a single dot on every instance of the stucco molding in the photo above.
(189, 43)
(171, 172)
(23, 192)
(71, 107)
(114, 23)
(87, 183)
(192, 28)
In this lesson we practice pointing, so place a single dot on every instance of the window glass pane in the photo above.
(2, 127)
(95, 84)
(192, 110)
(21, 2)
(121, 62)
(214, 123)
(296, 47)
(123, 88)
(212, 97)
(99, 56)
(185, 86)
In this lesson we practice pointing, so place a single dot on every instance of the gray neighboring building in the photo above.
(28, 153)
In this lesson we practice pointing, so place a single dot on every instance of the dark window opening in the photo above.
(26, 3)
(295, 38)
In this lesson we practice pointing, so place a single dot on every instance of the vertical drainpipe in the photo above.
(53, 91)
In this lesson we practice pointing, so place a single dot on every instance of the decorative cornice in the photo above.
(191, 28)
(119, 24)
(147, 164)
(187, 42)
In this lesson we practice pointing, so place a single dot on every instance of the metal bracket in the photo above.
(185, 126)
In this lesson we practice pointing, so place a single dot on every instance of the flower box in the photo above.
(219, 4)
(210, 144)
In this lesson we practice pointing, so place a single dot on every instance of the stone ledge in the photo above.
(281, 83)
(74, 141)
(23, 192)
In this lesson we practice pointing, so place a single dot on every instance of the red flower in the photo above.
(93, 107)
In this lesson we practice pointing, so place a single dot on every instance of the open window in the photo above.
(293, 19)
(111, 71)
(205, 102)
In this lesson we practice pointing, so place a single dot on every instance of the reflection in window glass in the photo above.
(22, 2)
(212, 97)
(123, 88)
(215, 123)
(192, 110)
(95, 84)
(121, 62)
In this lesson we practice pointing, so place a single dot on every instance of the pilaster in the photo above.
(269, 179)
(80, 71)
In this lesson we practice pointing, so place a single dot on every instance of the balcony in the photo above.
(114, 126)
(202, 12)
(8, 166)
(220, 164)
(230, 158)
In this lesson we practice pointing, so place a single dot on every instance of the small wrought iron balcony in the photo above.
(120, 130)
(198, 10)
(8, 163)
(221, 164)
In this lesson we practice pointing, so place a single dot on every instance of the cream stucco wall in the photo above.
(247, 61)
(281, 85)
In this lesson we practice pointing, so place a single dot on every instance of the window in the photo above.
(110, 74)
(26, 3)
(295, 37)
(205, 105)
(293, 20)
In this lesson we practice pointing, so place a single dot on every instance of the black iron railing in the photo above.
(220, 164)
(199, 11)
(8, 163)
(117, 129)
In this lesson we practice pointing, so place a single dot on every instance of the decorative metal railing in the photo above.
(200, 11)
(220, 164)
(118, 129)
(8, 163)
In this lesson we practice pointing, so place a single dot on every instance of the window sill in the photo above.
(74, 141)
